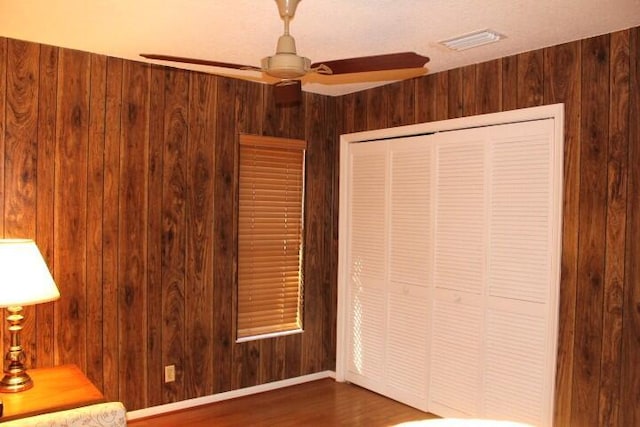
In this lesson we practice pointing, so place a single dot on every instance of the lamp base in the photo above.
(14, 382)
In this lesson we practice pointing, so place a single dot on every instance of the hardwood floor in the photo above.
(317, 403)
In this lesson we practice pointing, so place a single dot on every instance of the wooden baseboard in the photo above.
(191, 403)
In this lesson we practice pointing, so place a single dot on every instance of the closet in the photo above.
(449, 264)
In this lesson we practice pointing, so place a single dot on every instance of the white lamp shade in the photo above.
(24, 276)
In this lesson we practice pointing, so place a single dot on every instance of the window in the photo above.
(270, 236)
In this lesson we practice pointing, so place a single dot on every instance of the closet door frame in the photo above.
(555, 112)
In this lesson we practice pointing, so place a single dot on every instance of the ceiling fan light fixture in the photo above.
(470, 40)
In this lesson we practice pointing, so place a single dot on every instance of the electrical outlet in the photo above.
(169, 373)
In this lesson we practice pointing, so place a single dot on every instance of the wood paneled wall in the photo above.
(598, 80)
(125, 175)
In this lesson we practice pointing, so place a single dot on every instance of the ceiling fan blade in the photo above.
(391, 61)
(287, 92)
(199, 61)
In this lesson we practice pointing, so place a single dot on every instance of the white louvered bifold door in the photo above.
(367, 260)
(453, 254)
(459, 273)
(410, 270)
(520, 343)
(494, 329)
(390, 230)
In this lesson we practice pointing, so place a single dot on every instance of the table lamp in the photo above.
(24, 280)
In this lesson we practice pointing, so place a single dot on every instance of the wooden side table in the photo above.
(54, 389)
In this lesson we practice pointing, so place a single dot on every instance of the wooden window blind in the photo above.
(270, 235)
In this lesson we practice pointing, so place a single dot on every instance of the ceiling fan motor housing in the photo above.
(286, 64)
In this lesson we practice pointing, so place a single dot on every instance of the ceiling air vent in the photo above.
(475, 39)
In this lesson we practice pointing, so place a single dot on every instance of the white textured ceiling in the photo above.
(244, 31)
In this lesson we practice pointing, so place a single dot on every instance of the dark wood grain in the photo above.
(21, 166)
(489, 87)
(95, 207)
(174, 194)
(630, 384)
(45, 184)
(331, 146)
(249, 119)
(70, 223)
(530, 87)
(562, 73)
(132, 229)
(313, 237)
(110, 224)
(425, 98)
(455, 101)
(3, 127)
(199, 233)
(224, 249)
(58, 191)
(155, 381)
(400, 100)
(470, 105)
(377, 111)
(442, 96)
(592, 226)
(509, 83)
(618, 147)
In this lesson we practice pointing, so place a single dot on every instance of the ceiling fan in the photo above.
(288, 66)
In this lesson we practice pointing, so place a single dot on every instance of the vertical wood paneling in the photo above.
(20, 160)
(249, 108)
(70, 220)
(355, 112)
(376, 111)
(198, 364)
(110, 223)
(61, 191)
(489, 87)
(224, 248)
(21, 119)
(155, 367)
(174, 193)
(618, 147)
(630, 384)
(95, 186)
(592, 225)
(509, 83)
(3, 104)
(562, 73)
(313, 238)
(425, 99)
(132, 229)
(530, 87)
(455, 101)
(331, 196)
(45, 190)
(400, 101)
(469, 91)
(442, 96)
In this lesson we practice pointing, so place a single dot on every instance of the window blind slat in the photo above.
(270, 230)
